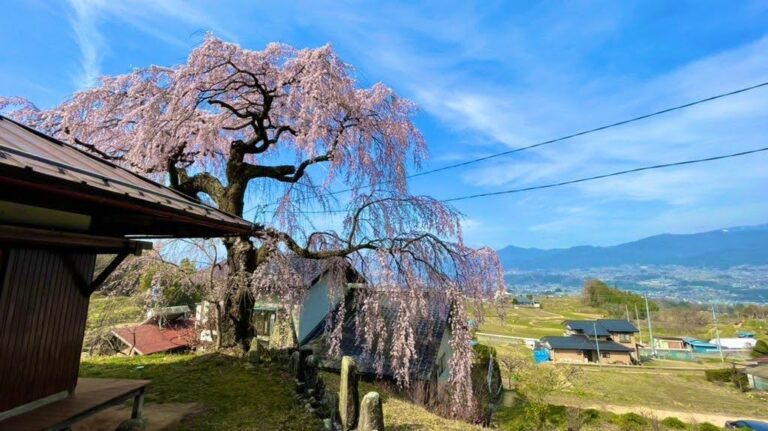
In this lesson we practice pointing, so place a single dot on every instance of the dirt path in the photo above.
(690, 417)
(159, 416)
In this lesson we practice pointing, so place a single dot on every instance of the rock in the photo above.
(349, 397)
(132, 425)
(319, 389)
(331, 402)
(283, 336)
(371, 413)
(293, 365)
(254, 355)
(310, 371)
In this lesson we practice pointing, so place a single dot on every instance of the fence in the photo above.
(685, 355)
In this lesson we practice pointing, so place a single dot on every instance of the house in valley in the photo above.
(581, 349)
(603, 340)
(671, 343)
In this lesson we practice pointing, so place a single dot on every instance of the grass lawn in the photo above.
(234, 397)
(403, 415)
(537, 322)
(686, 391)
(548, 320)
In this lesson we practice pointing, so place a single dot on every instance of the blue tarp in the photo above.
(541, 355)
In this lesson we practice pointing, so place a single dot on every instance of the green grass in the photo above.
(673, 390)
(106, 312)
(234, 397)
(400, 414)
(537, 322)
(685, 391)
(548, 320)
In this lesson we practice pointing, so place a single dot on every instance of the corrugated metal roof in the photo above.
(30, 151)
(149, 338)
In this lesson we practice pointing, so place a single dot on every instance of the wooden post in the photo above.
(138, 405)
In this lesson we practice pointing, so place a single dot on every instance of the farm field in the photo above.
(682, 393)
(537, 322)
(548, 320)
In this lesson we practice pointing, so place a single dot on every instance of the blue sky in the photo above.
(487, 76)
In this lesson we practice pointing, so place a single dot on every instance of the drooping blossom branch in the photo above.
(232, 125)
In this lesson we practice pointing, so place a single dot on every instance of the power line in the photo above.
(584, 179)
(562, 138)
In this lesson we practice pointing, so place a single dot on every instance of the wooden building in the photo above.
(59, 208)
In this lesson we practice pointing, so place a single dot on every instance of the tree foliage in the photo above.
(232, 124)
(614, 300)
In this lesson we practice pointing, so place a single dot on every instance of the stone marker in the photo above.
(293, 364)
(371, 413)
(310, 371)
(254, 354)
(349, 399)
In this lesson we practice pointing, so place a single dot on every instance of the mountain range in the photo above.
(723, 248)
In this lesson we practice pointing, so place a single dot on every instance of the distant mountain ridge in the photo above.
(723, 248)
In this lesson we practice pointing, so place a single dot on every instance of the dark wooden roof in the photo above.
(40, 171)
(601, 327)
(579, 342)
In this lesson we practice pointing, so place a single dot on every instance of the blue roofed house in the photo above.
(614, 339)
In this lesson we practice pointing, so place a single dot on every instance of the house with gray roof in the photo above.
(612, 341)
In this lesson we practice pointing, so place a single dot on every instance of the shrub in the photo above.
(760, 349)
(631, 422)
(673, 423)
(483, 353)
(719, 375)
(590, 415)
(706, 426)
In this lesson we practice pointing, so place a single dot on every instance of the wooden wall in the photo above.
(42, 322)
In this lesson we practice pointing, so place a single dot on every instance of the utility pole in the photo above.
(626, 309)
(717, 334)
(597, 343)
(637, 322)
(650, 327)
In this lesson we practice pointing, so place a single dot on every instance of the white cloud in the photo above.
(89, 39)
(154, 18)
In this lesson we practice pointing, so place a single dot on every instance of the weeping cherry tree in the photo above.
(282, 126)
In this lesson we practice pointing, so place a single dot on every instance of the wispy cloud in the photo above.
(84, 18)
(153, 18)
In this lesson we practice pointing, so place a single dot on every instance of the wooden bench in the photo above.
(90, 397)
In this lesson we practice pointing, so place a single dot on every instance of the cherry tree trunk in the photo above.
(239, 304)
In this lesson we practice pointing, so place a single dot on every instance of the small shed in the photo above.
(758, 377)
(698, 346)
(59, 208)
(670, 343)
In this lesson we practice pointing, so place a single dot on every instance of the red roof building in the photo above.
(149, 338)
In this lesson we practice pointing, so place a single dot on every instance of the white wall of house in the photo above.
(315, 307)
(444, 354)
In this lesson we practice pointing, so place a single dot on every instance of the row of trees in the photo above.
(614, 300)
